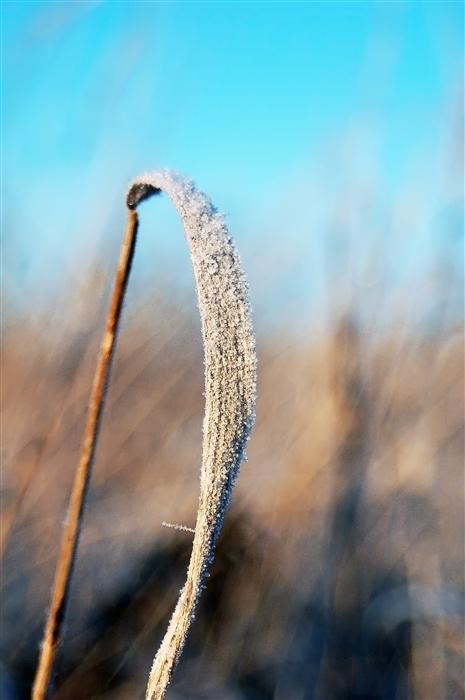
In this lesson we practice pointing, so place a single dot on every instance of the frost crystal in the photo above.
(230, 386)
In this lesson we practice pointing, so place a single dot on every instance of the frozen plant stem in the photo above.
(230, 385)
(70, 540)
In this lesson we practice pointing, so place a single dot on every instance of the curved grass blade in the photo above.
(230, 388)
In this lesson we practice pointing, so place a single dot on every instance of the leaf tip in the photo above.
(138, 192)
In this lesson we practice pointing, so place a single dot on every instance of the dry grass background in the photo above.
(340, 570)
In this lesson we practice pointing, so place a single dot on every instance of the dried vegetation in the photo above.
(340, 570)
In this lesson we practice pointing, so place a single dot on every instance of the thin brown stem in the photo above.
(69, 544)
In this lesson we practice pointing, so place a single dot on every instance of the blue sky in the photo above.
(291, 115)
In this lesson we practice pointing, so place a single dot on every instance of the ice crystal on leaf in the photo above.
(230, 385)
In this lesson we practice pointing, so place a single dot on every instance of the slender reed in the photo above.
(230, 385)
(70, 539)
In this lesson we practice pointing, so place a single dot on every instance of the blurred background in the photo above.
(331, 136)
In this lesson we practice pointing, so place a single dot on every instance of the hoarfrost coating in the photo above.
(230, 385)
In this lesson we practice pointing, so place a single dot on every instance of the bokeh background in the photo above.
(331, 135)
